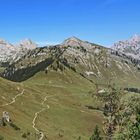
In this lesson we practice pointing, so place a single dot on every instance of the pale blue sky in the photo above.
(52, 21)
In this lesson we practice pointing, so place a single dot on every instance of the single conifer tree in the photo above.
(96, 134)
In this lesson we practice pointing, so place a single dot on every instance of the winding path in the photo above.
(34, 124)
(40, 111)
(37, 114)
(13, 99)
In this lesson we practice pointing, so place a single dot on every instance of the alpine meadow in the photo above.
(74, 88)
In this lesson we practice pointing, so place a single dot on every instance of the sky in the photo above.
(51, 21)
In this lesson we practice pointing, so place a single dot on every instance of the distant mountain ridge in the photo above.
(89, 60)
(130, 47)
(54, 84)
(75, 42)
(10, 53)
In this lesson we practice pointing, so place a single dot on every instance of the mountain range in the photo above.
(87, 59)
(49, 91)
(10, 53)
(130, 47)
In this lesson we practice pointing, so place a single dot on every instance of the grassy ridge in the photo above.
(66, 119)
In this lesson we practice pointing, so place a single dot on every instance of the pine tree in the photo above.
(79, 138)
(111, 107)
(96, 134)
(133, 127)
(130, 125)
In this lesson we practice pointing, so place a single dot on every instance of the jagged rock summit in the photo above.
(130, 47)
(10, 52)
(89, 60)
(28, 44)
(4, 44)
(72, 41)
(75, 42)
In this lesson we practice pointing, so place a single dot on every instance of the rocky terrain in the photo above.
(49, 91)
(130, 47)
(89, 60)
(10, 53)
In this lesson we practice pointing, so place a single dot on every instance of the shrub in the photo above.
(3, 122)
(24, 135)
(14, 126)
(1, 137)
(96, 134)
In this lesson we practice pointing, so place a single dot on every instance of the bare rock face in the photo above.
(10, 53)
(89, 60)
(6, 116)
(28, 44)
(4, 44)
(7, 51)
(75, 42)
(130, 47)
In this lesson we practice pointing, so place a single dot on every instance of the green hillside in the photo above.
(67, 118)
(52, 96)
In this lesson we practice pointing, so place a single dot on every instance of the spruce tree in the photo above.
(96, 134)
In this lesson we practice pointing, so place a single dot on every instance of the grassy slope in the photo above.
(119, 70)
(67, 116)
(6, 88)
(64, 115)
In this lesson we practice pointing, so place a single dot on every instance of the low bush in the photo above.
(14, 126)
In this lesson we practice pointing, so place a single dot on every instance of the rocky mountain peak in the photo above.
(73, 38)
(28, 44)
(5, 45)
(72, 41)
(130, 47)
(76, 42)
(10, 53)
(2, 41)
(135, 38)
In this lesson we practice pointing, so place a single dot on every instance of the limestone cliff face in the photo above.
(10, 53)
(89, 60)
(130, 47)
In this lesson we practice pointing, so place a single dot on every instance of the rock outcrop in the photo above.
(10, 53)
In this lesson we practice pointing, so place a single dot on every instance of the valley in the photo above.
(49, 92)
